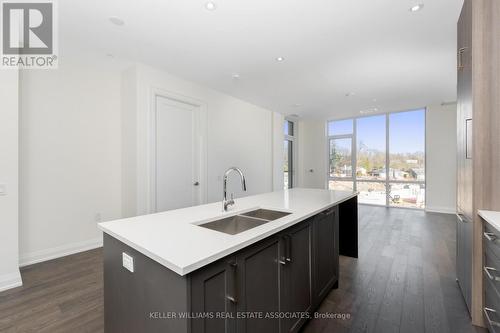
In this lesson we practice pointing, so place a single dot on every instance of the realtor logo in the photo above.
(28, 34)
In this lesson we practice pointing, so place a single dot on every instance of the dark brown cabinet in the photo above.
(258, 285)
(297, 276)
(271, 286)
(213, 290)
(491, 276)
(325, 251)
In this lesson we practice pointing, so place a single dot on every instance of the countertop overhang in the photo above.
(174, 239)
(491, 217)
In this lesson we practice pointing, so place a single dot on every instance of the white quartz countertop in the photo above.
(174, 239)
(491, 217)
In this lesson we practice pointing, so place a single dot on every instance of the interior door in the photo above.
(177, 154)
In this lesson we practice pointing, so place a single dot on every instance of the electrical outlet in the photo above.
(128, 262)
(97, 217)
(3, 190)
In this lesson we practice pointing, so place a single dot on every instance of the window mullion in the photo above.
(387, 162)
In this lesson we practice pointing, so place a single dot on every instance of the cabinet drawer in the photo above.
(491, 310)
(491, 274)
(491, 240)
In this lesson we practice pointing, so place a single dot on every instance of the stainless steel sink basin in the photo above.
(234, 225)
(266, 214)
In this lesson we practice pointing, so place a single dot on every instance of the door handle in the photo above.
(460, 64)
(232, 298)
(288, 248)
(196, 183)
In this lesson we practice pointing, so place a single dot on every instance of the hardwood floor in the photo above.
(403, 281)
(62, 295)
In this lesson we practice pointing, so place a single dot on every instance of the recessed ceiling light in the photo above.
(116, 20)
(236, 76)
(296, 105)
(280, 59)
(416, 8)
(368, 111)
(210, 6)
(374, 99)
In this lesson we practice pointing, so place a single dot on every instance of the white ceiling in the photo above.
(390, 58)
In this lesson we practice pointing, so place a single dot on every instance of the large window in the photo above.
(389, 158)
(290, 132)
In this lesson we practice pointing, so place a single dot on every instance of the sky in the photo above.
(406, 131)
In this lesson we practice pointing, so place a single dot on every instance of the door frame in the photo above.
(200, 140)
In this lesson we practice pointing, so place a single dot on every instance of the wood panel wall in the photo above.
(486, 128)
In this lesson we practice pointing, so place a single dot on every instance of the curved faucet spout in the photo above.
(226, 203)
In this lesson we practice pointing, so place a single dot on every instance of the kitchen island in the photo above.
(177, 271)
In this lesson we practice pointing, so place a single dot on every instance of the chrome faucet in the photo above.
(226, 203)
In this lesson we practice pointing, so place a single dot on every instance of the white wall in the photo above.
(441, 145)
(71, 159)
(441, 157)
(70, 168)
(312, 168)
(9, 271)
(278, 158)
(238, 134)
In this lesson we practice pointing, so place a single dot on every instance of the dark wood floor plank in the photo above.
(429, 300)
(62, 295)
(392, 304)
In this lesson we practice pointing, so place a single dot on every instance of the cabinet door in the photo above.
(297, 281)
(464, 257)
(459, 253)
(464, 111)
(258, 287)
(325, 272)
(468, 261)
(212, 292)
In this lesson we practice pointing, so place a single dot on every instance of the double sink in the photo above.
(242, 222)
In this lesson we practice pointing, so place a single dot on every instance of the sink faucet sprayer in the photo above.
(226, 203)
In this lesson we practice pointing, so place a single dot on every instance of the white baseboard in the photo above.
(444, 210)
(9, 281)
(57, 252)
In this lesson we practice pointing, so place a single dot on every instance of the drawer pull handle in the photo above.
(491, 277)
(460, 64)
(232, 298)
(289, 248)
(486, 314)
(490, 236)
